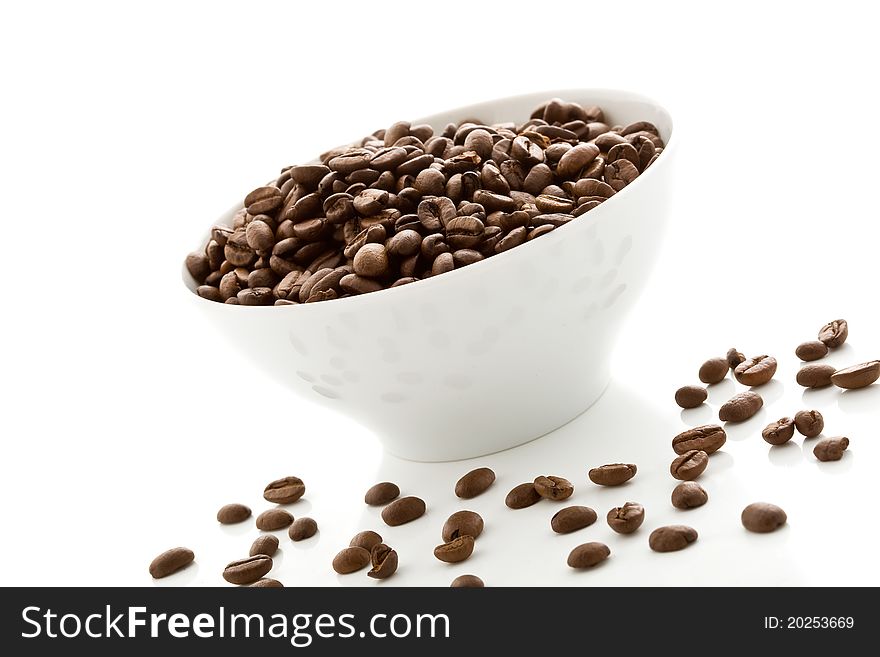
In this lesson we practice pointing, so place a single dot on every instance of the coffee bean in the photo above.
(713, 370)
(834, 334)
(627, 518)
(522, 496)
(351, 560)
(209, 292)
(613, 474)
(857, 376)
(381, 494)
(734, 358)
(671, 538)
(462, 523)
(171, 561)
(286, 490)
(689, 465)
(198, 266)
(384, 561)
(755, 371)
(366, 539)
(831, 449)
(690, 396)
(812, 350)
(266, 583)
(269, 521)
(779, 432)
(741, 407)
(588, 555)
(263, 200)
(258, 296)
(456, 550)
(403, 510)
(467, 582)
(689, 495)
(553, 488)
(761, 517)
(809, 423)
(247, 570)
(233, 513)
(474, 483)
(266, 544)
(815, 376)
(708, 438)
(302, 528)
(572, 518)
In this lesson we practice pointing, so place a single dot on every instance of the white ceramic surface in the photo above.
(487, 357)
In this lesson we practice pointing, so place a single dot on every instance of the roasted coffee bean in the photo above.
(741, 407)
(761, 517)
(809, 423)
(708, 438)
(613, 474)
(588, 555)
(689, 465)
(237, 251)
(171, 561)
(857, 376)
(467, 582)
(247, 570)
(689, 495)
(755, 371)
(734, 358)
(266, 544)
(572, 518)
(263, 200)
(815, 376)
(576, 160)
(671, 538)
(462, 523)
(403, 510)
(269, 521)
(619, 174)
(690, 396)
(302, 528)
(384, 561)
(831, 449)
(259, 236)
(230, 514)
(713, 370)
(779, 432)
(198, 267)
(522, 496)
(286, 490)
(257, 296)
(834, 334)
(381, 494)
(456, 550)
(627, 518)
(210, 293)
(266, 583)
(366, 539)
(474, 483)
(553, 488)
(812, 350)
(351, 560)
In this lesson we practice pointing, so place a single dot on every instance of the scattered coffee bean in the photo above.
(741, 407)
(671, 538)
(467, 582)
(815, 376)
(458, 549)
(284, 491)
(403, 510)
(384, 561)
(351, 560)
(588, 555)
(857, 376)
(522, 496)
(366, 539)
(273, 519)
(762, 517)
(553, 488)
(812, 350)
(302, 528)
(233, 513)
(382, 493)
(809, 423)
(831, 449)
(690, 396)
(266, 583)
(689, 465)
(834, 334)
(714, 370)
(707, 437)
(266, 544)
(462, 523)
(572, 518)
(474, 483)
(779, 432)
(627, 518)
(171, 561)
(613, 474)
(755, 371)
(248, 570)
(689, 495)
(734, 358)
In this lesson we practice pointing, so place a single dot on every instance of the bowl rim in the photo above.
(557, 234)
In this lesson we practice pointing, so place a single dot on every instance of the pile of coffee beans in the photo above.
(404, 204)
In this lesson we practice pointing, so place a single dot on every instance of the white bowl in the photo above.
(489, 356)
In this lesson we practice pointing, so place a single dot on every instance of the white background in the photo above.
(126, 421)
